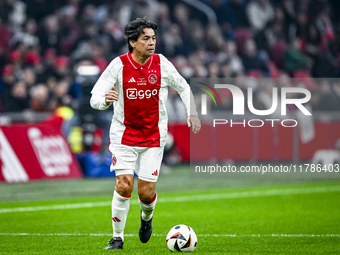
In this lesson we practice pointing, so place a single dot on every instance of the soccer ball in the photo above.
(181, 238)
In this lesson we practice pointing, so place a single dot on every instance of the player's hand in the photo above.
(194, 123)
(111, 96)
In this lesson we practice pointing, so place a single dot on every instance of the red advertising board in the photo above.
(262, 144)
(35, 151)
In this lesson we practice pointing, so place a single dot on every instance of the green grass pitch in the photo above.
(230, 216)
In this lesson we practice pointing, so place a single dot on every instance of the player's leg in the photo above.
(120, 209)
(121, 203)
(149, 164)
(147, 198)
(123, 163)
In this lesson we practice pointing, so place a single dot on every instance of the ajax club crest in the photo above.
(152, 78)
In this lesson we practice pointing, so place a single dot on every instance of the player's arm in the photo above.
(194, 122)
(178, 83)
(111, 96)
(187, 97)
(101, 101)
(104, 92)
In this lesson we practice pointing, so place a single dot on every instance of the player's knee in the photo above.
(124, 186)
(146, 193)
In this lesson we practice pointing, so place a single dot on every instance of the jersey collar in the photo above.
(136, 65)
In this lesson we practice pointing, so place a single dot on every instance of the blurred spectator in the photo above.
(88, 14)
(198, 64)
(279, 14)
(236, 13)
(69, 27)
(17, 14)
(298, 28)
(229, 54)
(251, 59)
(5, 9)
(182, 18)
(173, 43)
(113, 34)
(28, 36)
(47, 68)
(313, 40)
(50, 34)
(214, 39)
(61, 68)
(60, 94)
(294, 58)
(324, 65)
(221, 11)
(259, 12)
(16, 58)
(40, 98)
(214, 70)
(289, 10)
(8, 78)
(181, 63)
(5, 36)
(18, 99)
(267, 38)
(7, 81)
(32, 58)
(225, 69)
(39, 9)
(145, 8)
(195, 38)
(164, 19)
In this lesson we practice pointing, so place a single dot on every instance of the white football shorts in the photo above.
(144, 161)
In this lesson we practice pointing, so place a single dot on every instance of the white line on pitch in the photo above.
(202, 235)
(233, 195)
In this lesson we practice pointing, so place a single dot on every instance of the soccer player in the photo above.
(137, 83)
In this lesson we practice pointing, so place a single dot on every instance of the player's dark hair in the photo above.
(135, 28)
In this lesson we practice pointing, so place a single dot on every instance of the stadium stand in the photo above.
(44, 43)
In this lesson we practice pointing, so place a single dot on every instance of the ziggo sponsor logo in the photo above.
(140, 94)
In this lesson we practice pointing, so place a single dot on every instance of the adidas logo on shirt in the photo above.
(132, 80)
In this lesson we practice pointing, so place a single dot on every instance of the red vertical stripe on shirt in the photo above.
(141, 85)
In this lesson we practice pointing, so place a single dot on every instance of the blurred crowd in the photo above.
(51, 52)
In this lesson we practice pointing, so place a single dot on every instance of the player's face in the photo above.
(146, 43)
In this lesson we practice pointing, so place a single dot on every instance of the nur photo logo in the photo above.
(204, 97)
(281, 98)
